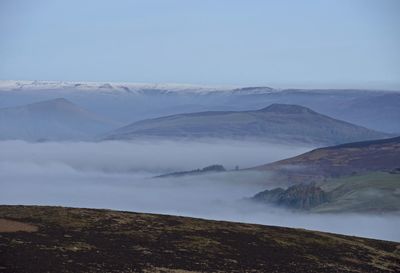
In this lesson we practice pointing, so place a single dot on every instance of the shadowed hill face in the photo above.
(295, 197)
(56, 119)
(341, 160)
(278, 122)
(84, 240)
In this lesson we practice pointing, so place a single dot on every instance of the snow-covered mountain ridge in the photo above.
(140, 88)
(11, 85)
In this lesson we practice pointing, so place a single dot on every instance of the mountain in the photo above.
(277, 122)
(56, 119)
(337, 161)
(130, 102)
(379, 112)
(56, 239)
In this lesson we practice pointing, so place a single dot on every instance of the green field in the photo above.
(374, 192)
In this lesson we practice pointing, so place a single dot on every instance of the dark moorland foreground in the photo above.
(56, 239)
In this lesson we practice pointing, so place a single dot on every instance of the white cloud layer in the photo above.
(117, 175)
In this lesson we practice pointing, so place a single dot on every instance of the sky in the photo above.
(281, 43)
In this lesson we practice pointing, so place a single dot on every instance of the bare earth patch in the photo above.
(14, 226)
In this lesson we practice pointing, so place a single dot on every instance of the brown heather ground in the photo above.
(55, 239)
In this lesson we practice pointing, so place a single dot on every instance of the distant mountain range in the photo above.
(60, 119)
(130, 102)
(56, 119)
(277, 122)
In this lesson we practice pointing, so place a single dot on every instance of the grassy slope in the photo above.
(84, 240)
(372, 192)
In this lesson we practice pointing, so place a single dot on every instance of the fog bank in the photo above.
(117, 175)
(154, 156)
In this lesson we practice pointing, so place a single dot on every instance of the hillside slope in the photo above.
(336, 161)
(55, 239)
(277, 122)
(375, 192)
(56, 119)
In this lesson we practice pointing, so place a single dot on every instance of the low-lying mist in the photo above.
(142, 156)
(118, 175)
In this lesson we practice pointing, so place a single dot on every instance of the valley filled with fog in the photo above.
(199, 136)
(120, 175)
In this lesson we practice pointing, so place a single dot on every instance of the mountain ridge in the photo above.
(129, 102)
(54, 119)
(279, 122)
(339, 160)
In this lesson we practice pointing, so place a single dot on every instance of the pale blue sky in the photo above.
(282, 43)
